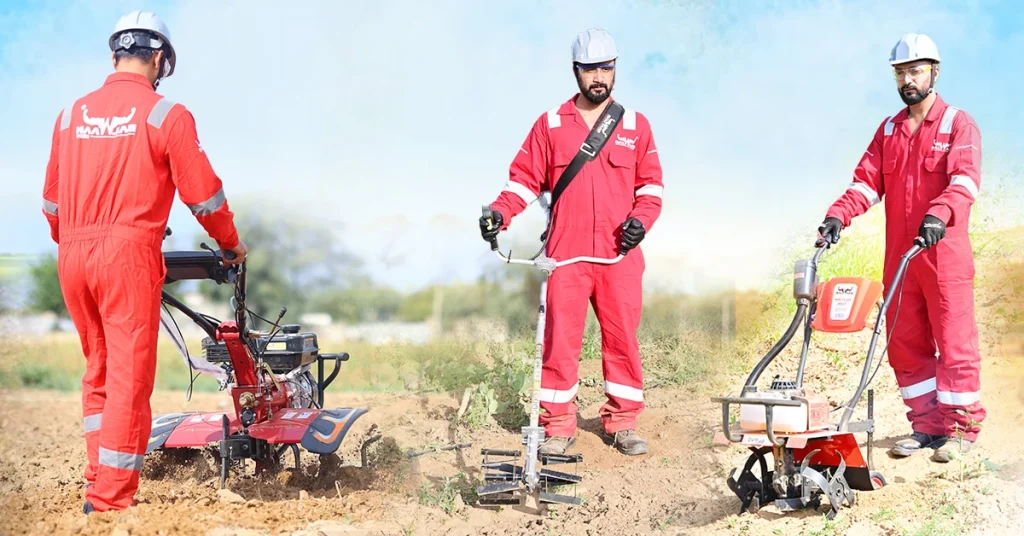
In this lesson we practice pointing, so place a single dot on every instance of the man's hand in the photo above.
(240, 251)
(829, 229)
(931, 231)
(489, 227)
(632, 233)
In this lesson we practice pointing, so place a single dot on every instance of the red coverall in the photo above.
(623, 181)
(935, 171)
(117, 155)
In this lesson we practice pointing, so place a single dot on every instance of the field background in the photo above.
(414, 392)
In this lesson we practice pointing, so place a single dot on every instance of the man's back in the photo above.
(119, 154)
(109, 163)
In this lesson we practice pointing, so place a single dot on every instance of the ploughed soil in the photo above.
(678, 488)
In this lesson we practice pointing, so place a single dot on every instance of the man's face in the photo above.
(596, 81)
(914, 79)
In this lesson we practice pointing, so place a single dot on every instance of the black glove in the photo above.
(489, 227)
(829, 229)
(632, 233)
(931, 231)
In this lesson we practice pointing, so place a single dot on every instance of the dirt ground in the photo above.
(679, 488)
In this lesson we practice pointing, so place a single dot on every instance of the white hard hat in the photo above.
(149, 22)
(913, 47)
(594, 46)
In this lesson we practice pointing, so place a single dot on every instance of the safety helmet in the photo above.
(147, 23)
(913, 47)
(594, 46)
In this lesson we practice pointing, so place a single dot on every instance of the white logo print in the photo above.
(623, 141)
(939, 146)
(105, 127)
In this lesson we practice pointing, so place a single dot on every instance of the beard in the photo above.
(912, 95)
(597, 97)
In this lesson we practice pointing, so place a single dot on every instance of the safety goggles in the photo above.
(607, 66)
(914, 72)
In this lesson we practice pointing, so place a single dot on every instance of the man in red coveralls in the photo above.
(614, 199)
(117, 156)
(925, 161)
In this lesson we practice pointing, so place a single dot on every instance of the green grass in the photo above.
(12, 266)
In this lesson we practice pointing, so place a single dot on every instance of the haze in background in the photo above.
(398, 120)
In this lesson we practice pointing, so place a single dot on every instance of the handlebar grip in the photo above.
(230, 255)
(489, 216)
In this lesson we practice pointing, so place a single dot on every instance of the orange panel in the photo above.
(844, 304)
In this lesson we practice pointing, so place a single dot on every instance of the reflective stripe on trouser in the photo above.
(112, 290)
(937, 318)
(614, 292)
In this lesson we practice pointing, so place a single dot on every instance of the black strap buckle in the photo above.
(586, 149)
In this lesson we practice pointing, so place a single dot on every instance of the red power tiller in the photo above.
(812, 457)
(278, 404)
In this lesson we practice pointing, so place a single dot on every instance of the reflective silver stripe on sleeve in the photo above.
(92, 422)
(553, 120)
(946, 126)
(650, 189)
(629, 119)
(967, 183)
(866, 191)
(624, 391)
(918, 389)
(65, 118)
(555, 396)
(888, 126)
(210, 205)
(521, 191)
(159, 112)
(50, 207)
(957, 399)
(120, 460)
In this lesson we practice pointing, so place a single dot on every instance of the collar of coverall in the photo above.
(934, 113)
(128, 77)
(569, 107)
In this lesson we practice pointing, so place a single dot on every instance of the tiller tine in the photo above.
(558, 478)
(556, 498)
(555, 459)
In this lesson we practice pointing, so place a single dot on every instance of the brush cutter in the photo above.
(527, 484)
(813, 459)
(278, 404)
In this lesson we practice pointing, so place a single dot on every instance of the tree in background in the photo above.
(291, 261)
(46, 293)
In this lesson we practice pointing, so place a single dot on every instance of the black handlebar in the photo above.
(489, 216)
(230, 255)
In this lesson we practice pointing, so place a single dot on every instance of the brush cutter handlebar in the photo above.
(543, 261)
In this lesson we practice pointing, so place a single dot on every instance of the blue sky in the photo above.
(397, 120)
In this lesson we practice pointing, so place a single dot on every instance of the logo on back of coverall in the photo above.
(105, 127)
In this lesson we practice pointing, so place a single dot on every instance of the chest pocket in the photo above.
(938, 154)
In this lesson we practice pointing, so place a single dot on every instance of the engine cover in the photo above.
(284, 352)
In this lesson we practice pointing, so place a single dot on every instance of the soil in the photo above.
(678, 488)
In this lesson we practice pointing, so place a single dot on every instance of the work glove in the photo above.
(632, 233)
(931, 231)
(829, 229)
(489, 227)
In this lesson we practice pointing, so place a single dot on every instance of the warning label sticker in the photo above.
(842, 301)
